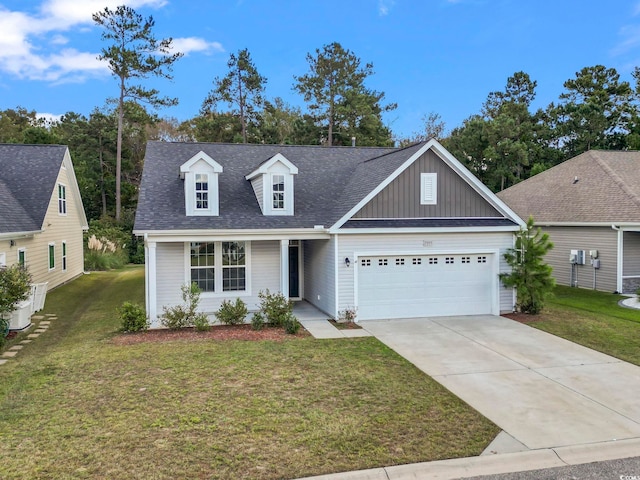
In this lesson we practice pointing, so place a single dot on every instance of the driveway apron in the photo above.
(541, 389)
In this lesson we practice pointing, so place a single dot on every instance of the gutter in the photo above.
(14, 235)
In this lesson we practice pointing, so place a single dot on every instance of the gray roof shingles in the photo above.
(331, 181)
(28, 175)
(607, 190)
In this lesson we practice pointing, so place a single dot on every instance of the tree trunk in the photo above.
(103, 193)
(119, 148)
(241, 104)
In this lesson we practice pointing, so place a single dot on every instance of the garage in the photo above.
(401, 286)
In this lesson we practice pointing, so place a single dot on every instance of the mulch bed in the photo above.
(217, 332)
(345, 325)
(522, 317)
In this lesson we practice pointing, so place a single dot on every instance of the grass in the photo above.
(75, 405)
(595, 320)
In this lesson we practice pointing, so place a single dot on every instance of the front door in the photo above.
(294, 270)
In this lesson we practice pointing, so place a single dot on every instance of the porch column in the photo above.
(620, 260)
(284, 268)
(151, 282)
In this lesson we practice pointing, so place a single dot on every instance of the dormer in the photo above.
(200, 175)
(272, 183)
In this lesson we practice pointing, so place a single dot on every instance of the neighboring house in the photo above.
(390, 232)
(41, 212)
(590, 207)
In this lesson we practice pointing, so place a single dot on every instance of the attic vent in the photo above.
(575, 180)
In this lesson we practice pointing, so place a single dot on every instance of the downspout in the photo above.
(619, 257)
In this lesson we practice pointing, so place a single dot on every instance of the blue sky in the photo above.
(440, 56)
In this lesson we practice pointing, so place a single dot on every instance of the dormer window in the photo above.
(200, 174)
(272, 183)
(277, 183)
(202, 191)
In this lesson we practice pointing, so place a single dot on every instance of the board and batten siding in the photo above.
(401, 198)
(419, 244)
(172, 273)
(319, 274)
(56, 229)
(565, 239)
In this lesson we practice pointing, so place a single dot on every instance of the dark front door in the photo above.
(294, 270)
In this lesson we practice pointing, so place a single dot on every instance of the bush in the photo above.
(15, 286)
(186, 315)
(201, 322)
(232, 313)
(275, 307)
(257, 321)
(348, 315)
(133, 317)
(291, 324)
(107, 245)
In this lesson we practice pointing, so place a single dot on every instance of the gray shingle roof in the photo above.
(28, 176)
(331, 181)
(607, 190)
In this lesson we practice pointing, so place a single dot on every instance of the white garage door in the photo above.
(428, 285)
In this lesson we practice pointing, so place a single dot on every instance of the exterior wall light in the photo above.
(347, 262)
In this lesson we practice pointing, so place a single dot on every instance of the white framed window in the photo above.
(428, 188)
(22, 257)
(277, 185)
(64, 256)
(219, 267)
(202, 191)
(52, 256)
(62, 199)
(3, 259)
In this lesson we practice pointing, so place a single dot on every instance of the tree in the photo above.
(134, 53)
(241, 88)
(15, 286)
(337, 97)
(593, 112)
(530, 276)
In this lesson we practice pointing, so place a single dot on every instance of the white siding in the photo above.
(350, 245)
(319, 274)
(172, 273)
(257, 185)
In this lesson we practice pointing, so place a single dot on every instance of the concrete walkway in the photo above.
(558, 403)
(315, 322)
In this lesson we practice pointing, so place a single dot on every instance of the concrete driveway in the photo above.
(541, 390)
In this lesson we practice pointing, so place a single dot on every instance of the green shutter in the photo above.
(52, 257)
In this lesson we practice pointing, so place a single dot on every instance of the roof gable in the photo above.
(199, 157)
(593, 187)
(268, 165)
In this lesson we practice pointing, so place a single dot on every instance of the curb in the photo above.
(496, 464)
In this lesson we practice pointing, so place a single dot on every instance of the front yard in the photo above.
(74, 404)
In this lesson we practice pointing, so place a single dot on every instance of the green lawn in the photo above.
(593, 319)
(75, 405)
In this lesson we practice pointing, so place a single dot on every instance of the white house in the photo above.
(393, 233)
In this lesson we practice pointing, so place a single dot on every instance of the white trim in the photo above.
(264, 168)
(64, 200)
(425, 230)
(3, 259)
(428, 188)
(14, 235)
(186, 166)
(455, 165)
(188, 174)
(629, 226)
(337, 277)
(284, 268)
(218, 267)
(24, 251)
(619, 259)
(73, 181)
(152, 281)
(231, 235)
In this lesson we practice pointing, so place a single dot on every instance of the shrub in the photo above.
(348, 315)
(257, 321)
(181, 316)
(291, 324)
(201, 322)
(232, 313)
(106, 245)
(15, 286)
(133, 317)
(275, 307)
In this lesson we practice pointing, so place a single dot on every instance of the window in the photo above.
(417, 261)
(202, 191)
(3, 259)
(277, 182)
(382, 262)
(399, 261)
(52, 256)
(428, 188)
(482, 259)
(22, 257)
(203, 265)
(233, 267)
(433, 260)
(449, 260)
(218, 267)
(466, 259)
(62, 199)
(365, 262)
(64, 256)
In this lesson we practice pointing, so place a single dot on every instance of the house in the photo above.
(41, 212)
(590, 207)
(392, 233)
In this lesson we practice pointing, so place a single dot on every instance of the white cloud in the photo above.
(630, 39)
(384, 6)
(187, 45)
(49, 118)
(30, 44)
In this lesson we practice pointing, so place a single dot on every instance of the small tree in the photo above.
(15, 286)
(530, 276)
